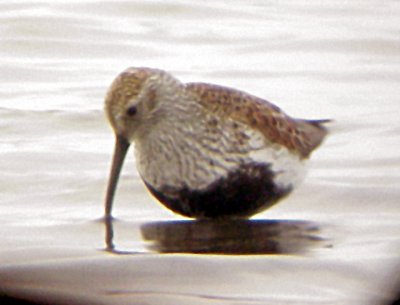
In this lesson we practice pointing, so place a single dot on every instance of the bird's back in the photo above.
(297, 135)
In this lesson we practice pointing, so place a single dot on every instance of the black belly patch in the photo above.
(244, 192)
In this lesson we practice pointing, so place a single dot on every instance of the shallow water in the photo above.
(335, 240)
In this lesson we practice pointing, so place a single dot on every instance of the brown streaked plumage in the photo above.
(300, 136)
(203, 150)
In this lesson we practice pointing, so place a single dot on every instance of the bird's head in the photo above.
(132, 100)
(137, 99)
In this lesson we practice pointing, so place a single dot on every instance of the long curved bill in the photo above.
(120, 150)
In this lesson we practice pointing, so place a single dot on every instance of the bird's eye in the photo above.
(131, 111)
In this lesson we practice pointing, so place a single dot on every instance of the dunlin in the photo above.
(206, 151)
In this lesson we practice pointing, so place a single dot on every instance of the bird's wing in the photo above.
(299, 136)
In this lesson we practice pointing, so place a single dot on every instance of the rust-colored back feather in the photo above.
(299, 136)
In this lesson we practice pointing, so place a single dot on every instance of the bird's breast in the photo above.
(232, 172)
(197, 156)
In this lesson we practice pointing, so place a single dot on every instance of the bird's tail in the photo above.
(316, 131)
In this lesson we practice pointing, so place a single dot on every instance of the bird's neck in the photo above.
(173, 150)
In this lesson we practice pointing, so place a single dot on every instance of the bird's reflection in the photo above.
(109, 239)
(109, 234)
(225, 236)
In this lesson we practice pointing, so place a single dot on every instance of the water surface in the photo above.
(335, 240)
